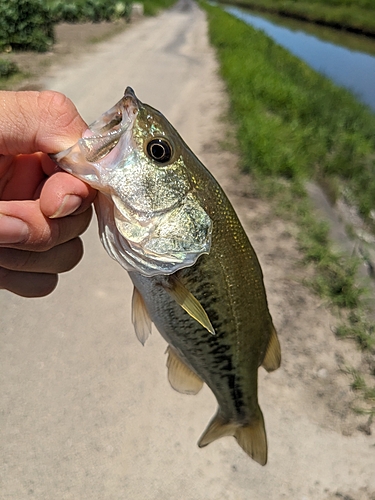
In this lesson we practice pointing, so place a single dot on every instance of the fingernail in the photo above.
(70, 204)
(12, 230)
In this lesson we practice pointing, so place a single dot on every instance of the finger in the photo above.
(38, 121)
(63, 194)
(24, 227)
(23, 176)
(27, 284)
(59, 259)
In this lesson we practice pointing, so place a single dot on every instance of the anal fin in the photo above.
(140, 317)
(251, 437)
(180, 376)
(272, 358)
(189, 303)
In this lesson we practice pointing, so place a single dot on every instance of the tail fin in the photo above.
(252, 437)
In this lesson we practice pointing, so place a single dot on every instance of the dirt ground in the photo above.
(319, 448)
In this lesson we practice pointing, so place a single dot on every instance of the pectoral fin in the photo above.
(180, 376)
(140, 317)
(189, 303)
(272, 358)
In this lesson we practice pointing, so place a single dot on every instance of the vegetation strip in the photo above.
(32, 25)
(293, 125)
(356, 17)
(29, 24)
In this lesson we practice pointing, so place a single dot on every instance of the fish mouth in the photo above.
(116, 119)
(97, 142)
(105, 132)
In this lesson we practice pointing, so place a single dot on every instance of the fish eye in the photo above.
(159, 150)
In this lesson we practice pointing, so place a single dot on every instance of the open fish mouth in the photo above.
(117, 119)
(99, 139)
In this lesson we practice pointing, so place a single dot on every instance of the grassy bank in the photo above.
(294, 125)
(293, 122)
(356, 16)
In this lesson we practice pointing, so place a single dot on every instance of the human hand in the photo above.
(42, 210)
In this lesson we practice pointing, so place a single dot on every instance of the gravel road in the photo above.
(87, 411)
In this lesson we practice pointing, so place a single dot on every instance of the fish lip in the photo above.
(129, 92)
(107, 129)
(116, 120)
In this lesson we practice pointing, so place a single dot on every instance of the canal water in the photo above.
(347, 67)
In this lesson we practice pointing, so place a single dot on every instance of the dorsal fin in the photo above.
(272, 358)
(140, 317)
(188, 302)
(180, 376)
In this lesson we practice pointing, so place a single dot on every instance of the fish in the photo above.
(165, 219)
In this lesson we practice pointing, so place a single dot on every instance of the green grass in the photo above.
(10, 81)
(358, 16)
(359, 328)
(335, 275)
(292, 121)
(9, 72)
(361, 387)
(294, 125)
(152, 7)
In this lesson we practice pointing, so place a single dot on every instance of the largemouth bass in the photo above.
(166, 220)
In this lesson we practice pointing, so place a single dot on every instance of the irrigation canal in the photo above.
(347, 59)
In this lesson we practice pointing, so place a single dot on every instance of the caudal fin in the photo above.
(252, 437)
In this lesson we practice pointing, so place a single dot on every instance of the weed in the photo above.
(11, 81)
(7, 68)
(360, 386)
(359, 328)
(152, 7)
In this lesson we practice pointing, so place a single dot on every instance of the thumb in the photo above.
(38, 121)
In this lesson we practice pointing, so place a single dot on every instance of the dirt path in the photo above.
(88, 413)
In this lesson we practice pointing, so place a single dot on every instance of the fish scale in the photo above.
(196, 346)
(195, 273)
